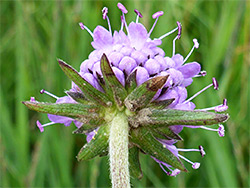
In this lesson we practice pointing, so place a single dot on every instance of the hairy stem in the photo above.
(118, 151)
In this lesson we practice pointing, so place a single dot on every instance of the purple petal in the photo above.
(152, 66)
(92, 80)
(139, 57)
(60, 119)
(158, 51)
(137, 35)
(119, 75)
(170, 62)
(115, 58)
(141, 75)
(178, 59)
(187, 82)
(102, 38)
(127, 64)
(126, 51)
(189, 70)
(97, 69)
(162, 62)
(86, 65)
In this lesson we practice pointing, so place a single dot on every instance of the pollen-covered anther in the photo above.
(48, 93)
(195, 165)
(215, 84)
(138, 15)
(202, 152)
(179, 29)
(41, 127)
(196, 45)
(202, 73)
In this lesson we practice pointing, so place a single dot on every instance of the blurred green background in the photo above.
(35, 33)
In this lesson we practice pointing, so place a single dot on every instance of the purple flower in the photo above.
(134, 51)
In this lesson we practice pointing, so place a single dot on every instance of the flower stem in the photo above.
(118, 151)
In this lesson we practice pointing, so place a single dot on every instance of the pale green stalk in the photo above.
(118, 151)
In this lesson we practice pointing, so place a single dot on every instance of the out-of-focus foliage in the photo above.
(35, 33)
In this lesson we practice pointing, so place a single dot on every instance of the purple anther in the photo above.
(81, 25)
(225, 102)
(179, 29)
(203, 73)
(157, 14)
(202, 151)
(196, 44)
(175, 172)
(138, 13)
(40, 126)
(32, 99)
(221, 130)
(223, 107)
(42, 91)
(104, 12)
(196, 165)
(215, 84)
(122, 8)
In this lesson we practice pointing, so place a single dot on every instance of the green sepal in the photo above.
(130, 83)
(143, 138)
(89, 91)
(78, 97)
(73, 110)
(119, 92)
(143, 94)
(160, 104)
(134, 163)
(165, 133)
(160, 118)
(97, 146)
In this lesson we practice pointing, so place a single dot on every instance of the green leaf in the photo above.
(73, 110)
(130, 83)
(78, 97)
(89, 91)
(143, 94)
(97, 146)
(134, 163)
(165, 117)
(148, 144)
(160, 104)
(119, 92)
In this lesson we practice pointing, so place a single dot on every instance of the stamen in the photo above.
(220, 130)
(220, 108)
(155, 16)
(201, 150)
(138, 15)
(124, 11)
(41, 127)
(174, 172)
(215, 84)
(196, 45)
(48, 93)
(179, 28)
(202, 73)
(105, 16)
(174, 44)
(122, 23)
(194, 165)
(85, 27)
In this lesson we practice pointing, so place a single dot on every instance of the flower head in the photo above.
(128, 72)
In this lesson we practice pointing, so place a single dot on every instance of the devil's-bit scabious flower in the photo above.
(129, 96)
